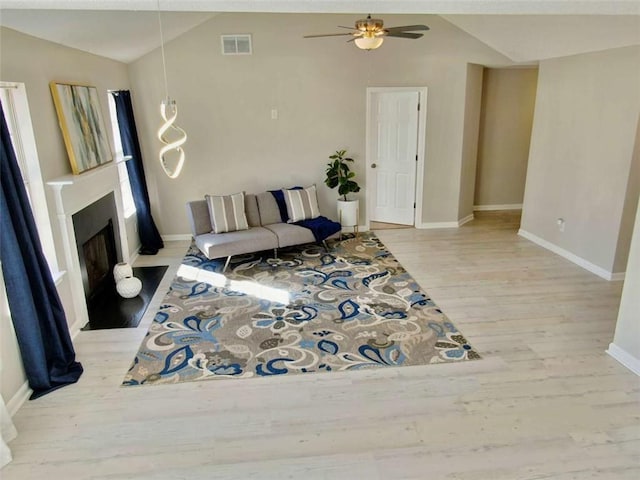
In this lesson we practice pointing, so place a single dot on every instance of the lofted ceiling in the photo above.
(120, 35)
(526, 38)
(525, 31)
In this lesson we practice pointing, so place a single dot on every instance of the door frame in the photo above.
(421, 147)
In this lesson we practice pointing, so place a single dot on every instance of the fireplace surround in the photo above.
(72, 194)
(95, 228)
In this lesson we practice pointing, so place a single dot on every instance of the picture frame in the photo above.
(82, 125)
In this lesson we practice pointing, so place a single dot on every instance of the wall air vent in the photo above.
(236, 44)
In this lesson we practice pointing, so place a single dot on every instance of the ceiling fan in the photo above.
(369, 33)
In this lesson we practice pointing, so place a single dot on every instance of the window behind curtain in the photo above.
(125, 186)
(18, 117)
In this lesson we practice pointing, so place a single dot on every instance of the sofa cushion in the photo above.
(289, 234)
(301, 204)
(282, 205)
(269, 211)
(255, 239)
(199, 218)
(251, 209)
(227, 212)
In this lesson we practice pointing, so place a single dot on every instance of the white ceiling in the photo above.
(526, 38)
(121, 35)
(567, 7)
(523, 30)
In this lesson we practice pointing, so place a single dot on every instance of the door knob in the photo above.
(373, 165)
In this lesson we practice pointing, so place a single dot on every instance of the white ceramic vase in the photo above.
(348, 212)
(129, 287)
(122, 270)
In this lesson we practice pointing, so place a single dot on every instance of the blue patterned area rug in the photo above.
(310, 310)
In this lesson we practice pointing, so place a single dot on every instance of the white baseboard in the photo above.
(625, 358)
(616, 277)
(466, 219)
(21, 396)
(587, 265)
(179, 236)
(505, 206)
(74, 330)
(430, 225)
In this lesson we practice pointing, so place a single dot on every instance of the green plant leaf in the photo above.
(339, 174)
(331, 182)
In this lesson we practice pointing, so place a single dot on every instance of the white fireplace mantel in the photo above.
(72, 193)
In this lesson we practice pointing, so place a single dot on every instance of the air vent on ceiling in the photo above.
(236, 44)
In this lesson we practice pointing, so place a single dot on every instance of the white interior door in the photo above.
(394, 155)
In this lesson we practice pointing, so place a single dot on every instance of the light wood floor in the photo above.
(545, 402)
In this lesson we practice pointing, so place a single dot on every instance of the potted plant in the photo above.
(339, 175)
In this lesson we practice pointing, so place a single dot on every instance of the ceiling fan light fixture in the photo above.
(368, 42)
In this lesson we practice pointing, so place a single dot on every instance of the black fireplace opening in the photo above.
(98, 246)
(97, 262)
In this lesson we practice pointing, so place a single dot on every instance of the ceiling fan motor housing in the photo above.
(372, 25)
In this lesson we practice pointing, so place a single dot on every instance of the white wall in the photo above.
(508, 99)
(35, 63)
(473, 102)
(626, 342)
(318, 87)
(630, 207)
(582, 143)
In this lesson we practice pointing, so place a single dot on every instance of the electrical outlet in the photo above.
(560, 222)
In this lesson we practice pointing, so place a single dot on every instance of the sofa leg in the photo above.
(226, 264)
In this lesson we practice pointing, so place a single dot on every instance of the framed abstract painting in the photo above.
(83, 130)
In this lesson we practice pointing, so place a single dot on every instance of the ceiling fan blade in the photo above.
(407, 28)
(327, 35)
(349, 28)
(404, 35)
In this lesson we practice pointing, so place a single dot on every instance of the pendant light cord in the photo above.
(164, 63)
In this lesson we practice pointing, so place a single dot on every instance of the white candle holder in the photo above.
(122, 270)
(129, 287)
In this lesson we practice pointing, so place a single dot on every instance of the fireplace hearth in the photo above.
(110, 310)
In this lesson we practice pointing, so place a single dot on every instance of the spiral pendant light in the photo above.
(171, 154)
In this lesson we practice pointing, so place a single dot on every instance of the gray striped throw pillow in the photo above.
(302, 204)
(227, 212)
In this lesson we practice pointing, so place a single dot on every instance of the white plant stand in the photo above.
(349, 213)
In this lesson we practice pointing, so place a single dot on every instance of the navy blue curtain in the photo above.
(149, 236)
(37, 313)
